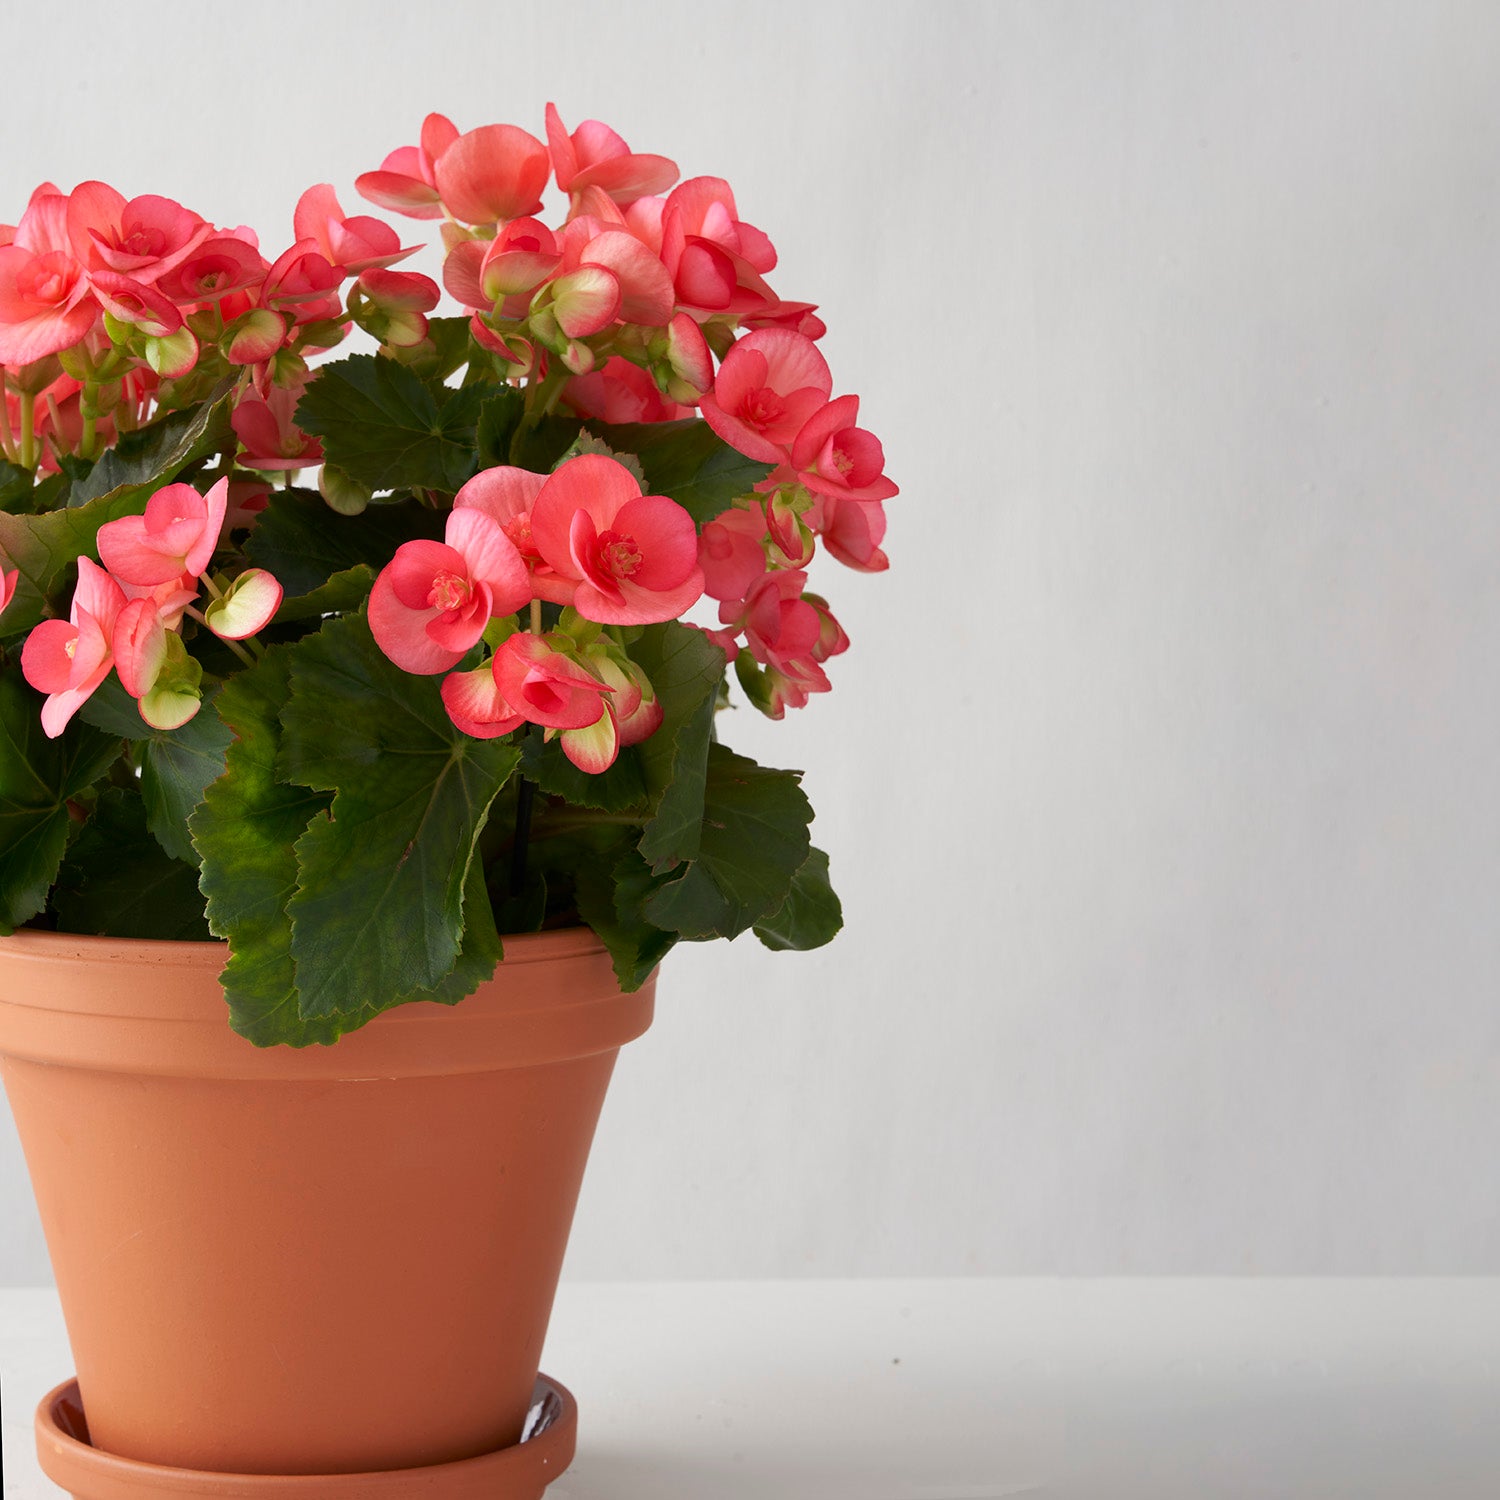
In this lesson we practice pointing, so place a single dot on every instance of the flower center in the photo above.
(518, 529)
(449, 591)
(618, 555)
(761, 407)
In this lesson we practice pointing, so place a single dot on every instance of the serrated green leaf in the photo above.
(478, 952)
(685, 669)
(589, 442)
(499, 416)
(754, 841)
(117, 880)
(21, 497)
(176, 764)
(688, 461)
(342, 594)
(156, 454)
(38, 776)
(618, 789)
(541, 447)
(378, 908)
(611, 893)
(305, 544)
(386, 427)
(811, 914)
(244, 833)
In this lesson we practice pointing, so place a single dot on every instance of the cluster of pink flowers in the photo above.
(126, 614)
(108, 305)
(648, 303)
(623, 307)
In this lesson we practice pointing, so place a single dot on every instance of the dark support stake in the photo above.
(525, 791)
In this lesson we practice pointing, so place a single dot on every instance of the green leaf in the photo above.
(37, 778)
(21, 497)
(244, 833)
(611, 899)
(540, 448)
(588, 442)
(811, 914)
(688, 461)
(386, 427)
(155, 455)
(446, 348)
(305, 544)
(754, 841)
(378, 908)
(618, 789)
(176, 764)
(118, 881)
(478, 954)
(342, 594)
(685, 668)
(499, 416)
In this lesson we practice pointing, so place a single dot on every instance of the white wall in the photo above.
(1161, 780)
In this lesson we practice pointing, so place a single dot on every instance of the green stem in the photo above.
(86, 405)
(28, 430)
(536, 617)
(234, 646)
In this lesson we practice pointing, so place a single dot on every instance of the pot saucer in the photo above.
(520, 1472)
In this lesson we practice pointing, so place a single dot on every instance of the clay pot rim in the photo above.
(519, 1472)
(28, 942)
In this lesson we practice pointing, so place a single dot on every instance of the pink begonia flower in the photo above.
(798, 317)
(169, 599)
(492, 174)
(407, 181)
(482, 274)
(477, 706)
(216, 268)
(634, 557)
(777, 622)
(595, 157)
(354, 244)
(646, 295)
(545, 684)
(732, 552)
(254, 336)
(304, 282)
(834, 457)
(270, 437)
(851, 531)
(68, 659)
(143, 238)
(619, 391)
(768, 386)
(507, 495)
(140, 646)
(128, 300)
(177, 535)
(432, 601)
(400, 300)
(45, 301)
(716, 261)
(584, 302)
(635, 708)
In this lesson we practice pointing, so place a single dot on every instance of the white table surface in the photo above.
(973, 1390)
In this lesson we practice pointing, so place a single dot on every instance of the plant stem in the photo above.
(87, 405)
(234, 646)
(536, 617)
(28, 430)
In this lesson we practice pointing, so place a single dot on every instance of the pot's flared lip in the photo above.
(520, 1472)
(138, 1006)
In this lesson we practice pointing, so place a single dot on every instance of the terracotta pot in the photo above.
(328, 1261)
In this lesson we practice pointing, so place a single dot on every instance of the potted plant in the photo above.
(438, 729)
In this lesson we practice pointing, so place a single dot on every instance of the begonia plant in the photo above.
(361, 662)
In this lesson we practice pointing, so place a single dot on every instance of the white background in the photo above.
(1161, 778)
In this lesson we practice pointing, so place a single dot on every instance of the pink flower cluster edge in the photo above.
(648, 303)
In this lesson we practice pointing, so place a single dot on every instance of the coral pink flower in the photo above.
(400, 300)
(353, 244)
(767, 388)
(834, 457)
(732, 552)
(619, 391)
(491, 174)
(645, 286)
(215, 268)
(129, 300)
(432, 601)
(68, 659)
(514, 264)
(304, 282)
(45, 302)
(636, 710)
(477, 706)
(407, 181)
(852, 531)
(506, 496)
(270, 437)
(546, 684)
(143, 238)
(634, 557)
(716, 261)
(177, 535)
(595, 157)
